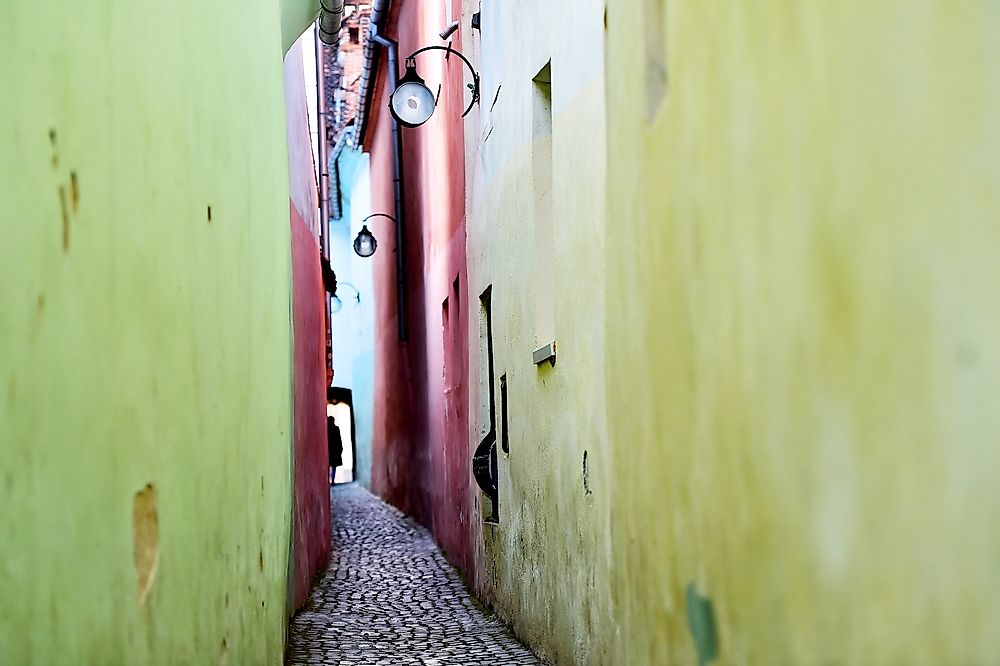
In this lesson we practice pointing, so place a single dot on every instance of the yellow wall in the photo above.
(145, 377)
(544, 567)
(801, 345)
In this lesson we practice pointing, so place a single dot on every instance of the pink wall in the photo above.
(421, 448)
(311, 501)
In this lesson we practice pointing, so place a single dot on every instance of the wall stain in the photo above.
(145, 539)
(586, 475)
(53, 139)
(210, 215)
(65, 218)
(701, 622)
(74, 191)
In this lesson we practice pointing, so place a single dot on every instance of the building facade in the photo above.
(420, 452)
(147, 413)
(757, 241)
(800, 344)
(311, 505)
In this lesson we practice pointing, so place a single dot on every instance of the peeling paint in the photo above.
(145, 539)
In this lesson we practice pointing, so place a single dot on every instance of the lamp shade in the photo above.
(365, 243)
(412, 102)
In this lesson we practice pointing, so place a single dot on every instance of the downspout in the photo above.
(322, 150)
(397, 186)
(380, 11)
(331, 14)
(323, 176)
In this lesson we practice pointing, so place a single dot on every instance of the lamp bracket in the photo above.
(411, 61)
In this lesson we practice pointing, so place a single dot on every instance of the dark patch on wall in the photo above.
(586, 475)
(40, 306)
(504, 421)
(74, 191)
(655, 55)
(54, 141)
(223, 650)
(65, 218)
(145, 539)
(210, 215)
(260, 559)
(496, 97)
(701, 622)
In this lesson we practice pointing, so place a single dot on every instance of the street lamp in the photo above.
(336, 305)
(365, 244)
(412, 102)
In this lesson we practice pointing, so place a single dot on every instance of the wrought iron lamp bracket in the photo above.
(412, 62)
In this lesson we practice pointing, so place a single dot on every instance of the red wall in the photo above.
(421, 449)
(311, 500)
(311, 505)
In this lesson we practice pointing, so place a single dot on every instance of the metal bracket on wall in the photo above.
(546, 352)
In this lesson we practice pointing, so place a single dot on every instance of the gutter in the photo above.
(380, 12)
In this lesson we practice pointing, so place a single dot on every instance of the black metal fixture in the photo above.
(365, 244)
(412, 102)
(336, 305)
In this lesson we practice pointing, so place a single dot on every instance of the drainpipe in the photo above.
(323, 176)
(380, 11)
(397, 186)
(331, 14)
(322, 151)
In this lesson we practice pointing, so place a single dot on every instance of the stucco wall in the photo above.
(802, 336)
(420, 458)
(537, 234)
(311, 513)
(145, 422)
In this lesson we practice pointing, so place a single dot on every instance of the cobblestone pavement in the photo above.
(390, 598)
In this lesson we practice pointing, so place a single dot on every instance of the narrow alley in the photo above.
(389, 598)
(499, 332)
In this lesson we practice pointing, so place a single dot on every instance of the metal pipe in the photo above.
(397, 183)
(322, 174)
(331, 14)
(322, 151)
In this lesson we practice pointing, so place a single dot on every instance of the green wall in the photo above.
(537, 233)
(802, 334)
(145, 365)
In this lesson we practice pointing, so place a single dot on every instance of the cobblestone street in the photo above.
(390, 598)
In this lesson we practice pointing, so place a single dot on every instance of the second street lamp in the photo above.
(365, 243)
